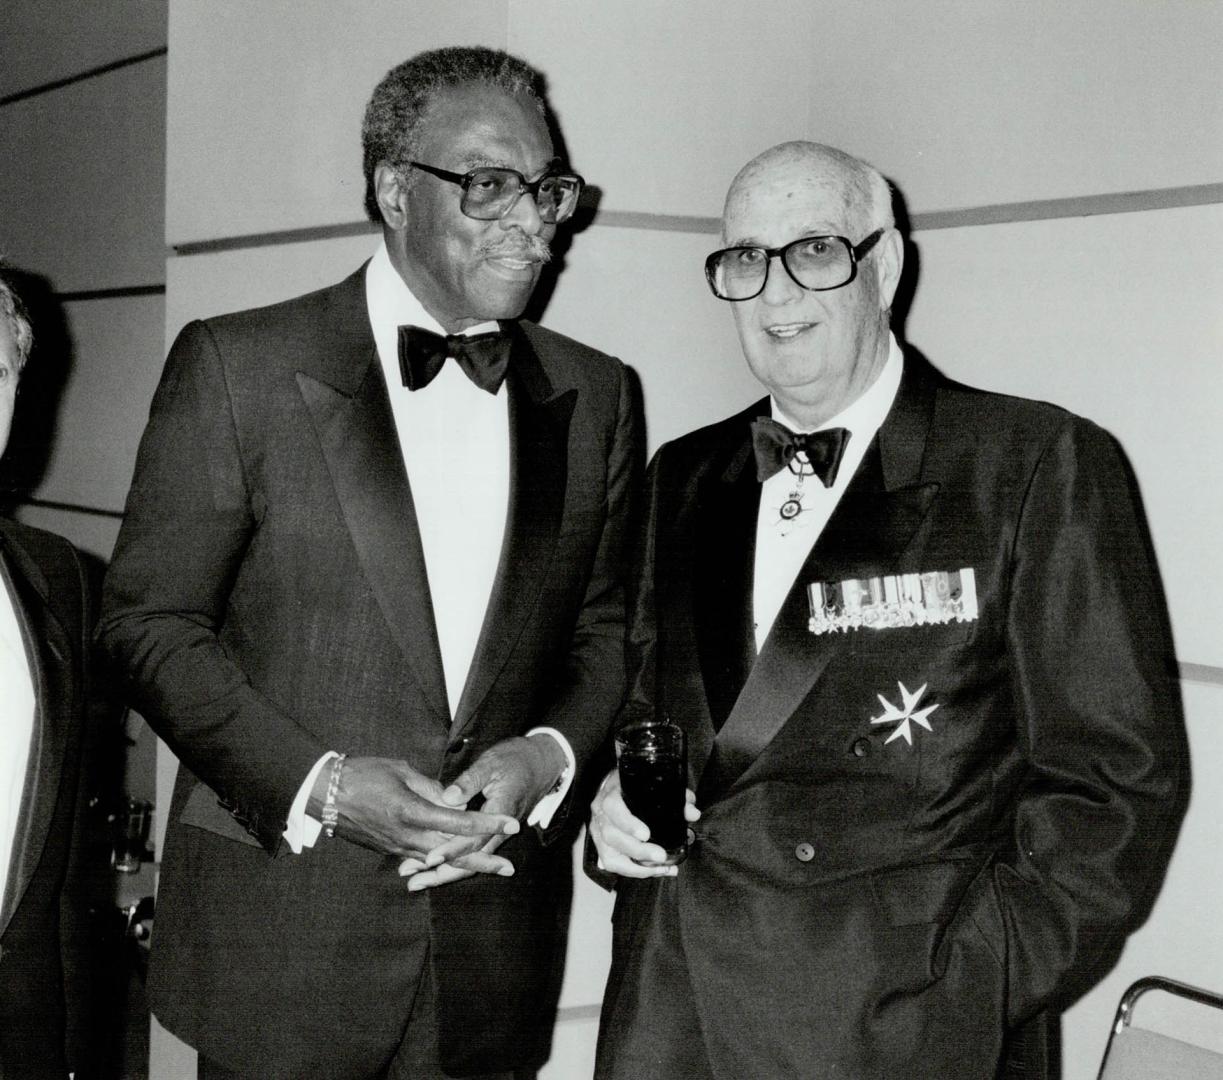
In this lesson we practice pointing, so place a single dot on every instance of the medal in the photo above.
(793, 506)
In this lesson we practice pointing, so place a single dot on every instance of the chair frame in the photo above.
(1125, 1010)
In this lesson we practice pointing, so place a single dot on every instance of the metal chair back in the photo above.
(1137, 1053)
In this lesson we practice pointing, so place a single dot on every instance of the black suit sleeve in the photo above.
(188, 522)
(1099, 723)
(592, 689)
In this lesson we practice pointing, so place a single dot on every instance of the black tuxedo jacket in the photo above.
(268, 601)
(40, 922)
(864, 903)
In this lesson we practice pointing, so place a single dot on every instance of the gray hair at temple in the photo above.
(390, 133)
(872, 194)
(868, 195)
(13, 315)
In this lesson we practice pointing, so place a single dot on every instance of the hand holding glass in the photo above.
(652, 762)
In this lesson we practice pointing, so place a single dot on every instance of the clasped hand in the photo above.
(623, 840)
(391, 807)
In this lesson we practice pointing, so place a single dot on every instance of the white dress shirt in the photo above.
(16, 725)
(783, 546)
(455, 439)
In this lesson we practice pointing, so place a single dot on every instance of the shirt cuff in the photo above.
(302, 830)
(547, 806)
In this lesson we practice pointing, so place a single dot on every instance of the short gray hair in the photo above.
(390, 133)
(14, 316)
(876, 201)
(868, 195)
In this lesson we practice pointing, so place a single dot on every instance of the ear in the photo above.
(392, 195)
(889, 263)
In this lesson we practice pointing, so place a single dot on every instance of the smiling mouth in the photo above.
(786, 331)
(517, 262)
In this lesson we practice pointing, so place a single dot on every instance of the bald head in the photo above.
(857, 188)
(816, 349)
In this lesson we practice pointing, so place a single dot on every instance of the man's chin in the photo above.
(507, 302)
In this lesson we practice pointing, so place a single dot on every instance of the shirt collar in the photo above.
(392, 304)
(865, 415)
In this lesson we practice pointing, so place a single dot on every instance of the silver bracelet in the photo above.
(330, 813)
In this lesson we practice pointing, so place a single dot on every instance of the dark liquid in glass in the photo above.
(653, 786)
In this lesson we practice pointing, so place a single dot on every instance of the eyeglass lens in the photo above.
(492, 193)
(815, 262)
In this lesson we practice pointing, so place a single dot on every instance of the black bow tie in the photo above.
(776, 446)
(483, 357)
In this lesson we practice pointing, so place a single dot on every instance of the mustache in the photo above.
(520, 247)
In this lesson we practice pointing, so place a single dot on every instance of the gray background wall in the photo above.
(1062, 165)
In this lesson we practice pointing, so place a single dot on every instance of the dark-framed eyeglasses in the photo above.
(817, 263)
(489, 192)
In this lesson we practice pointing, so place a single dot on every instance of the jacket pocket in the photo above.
(203, 811)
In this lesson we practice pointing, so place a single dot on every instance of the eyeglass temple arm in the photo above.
(443, 174)
(867, 243)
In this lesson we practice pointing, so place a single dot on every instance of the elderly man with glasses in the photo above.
(372, 599)
(916, 640)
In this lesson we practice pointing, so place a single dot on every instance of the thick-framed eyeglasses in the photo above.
(489, 193)
(817, 263)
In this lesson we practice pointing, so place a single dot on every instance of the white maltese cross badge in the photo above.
(902, 717)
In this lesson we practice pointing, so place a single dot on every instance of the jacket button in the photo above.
(804, 852)
(459, 745)
(861, 747)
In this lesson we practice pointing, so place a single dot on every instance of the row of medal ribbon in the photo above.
(896, 600)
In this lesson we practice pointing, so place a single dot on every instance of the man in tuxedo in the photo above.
(368, 589)
(916, 638)
(43, 648)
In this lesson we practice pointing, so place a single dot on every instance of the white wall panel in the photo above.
(966, 102)
(641, 295)
(1183, 938)
(588, 956)
(198, 286)
(84, 208)
(986, 101)
(1117, 318)
(266, 103)
(661, 104)
(169, 1059)
(114, 370)
(573, 1050)
(47, 40)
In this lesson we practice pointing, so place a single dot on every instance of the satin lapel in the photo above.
(873, 524)
(539, 469)
(724, 546)
(48, 651)
(356, 430)
(719, 592)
